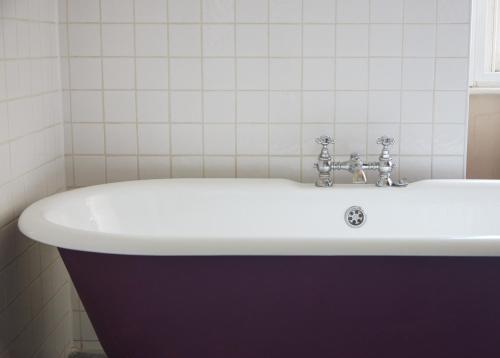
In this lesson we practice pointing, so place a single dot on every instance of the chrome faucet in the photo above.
(326, 165)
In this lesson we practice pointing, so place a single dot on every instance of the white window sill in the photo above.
(484, 90)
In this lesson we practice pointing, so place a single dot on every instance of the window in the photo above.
(485, 49)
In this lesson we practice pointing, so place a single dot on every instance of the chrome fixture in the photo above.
(355, 216)
(326, 165)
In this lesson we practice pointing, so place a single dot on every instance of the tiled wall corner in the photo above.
(35, 311)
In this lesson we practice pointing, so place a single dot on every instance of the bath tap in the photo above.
(326, 165)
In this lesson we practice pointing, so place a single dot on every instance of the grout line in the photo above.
(169, 95)
(202, 93)
(249, 90)
(246, 23)
(335, 119)
(246, 57)
(138, 173)
(368, 91)
(301, 134)
(102, 95)
(401, 90)
(236, 93)
(434, 89)
(268, 88)
(70, 104)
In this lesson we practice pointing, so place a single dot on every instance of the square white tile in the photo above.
(420, 11)
(252, 139)
(252, 40)
(87, 106)
(186, 106)
(187, 139)
(252, 167)
(118, 169)
(351, 107)
(157, 167)
(385, 73)
(352, 40)
(152, 106)
(450, 107)
(285, 107)
(151, 40)
(185, 73)
(418, 74)
(121, 139)
(319, 106)
(119, 106)
(184, 10)
(252, 73)
(151, 11)
(318, 74)
(384, 106)
(452, 74)
(449, 139)
(416, 139)
(219, 139)
(185, 40)
(319, 40)
(118, 73)
(218, 40)
(88, 138)
(285, 40)
(154, 139)
(285, 74)
(117, 11)
(453, 40)
(386, 11)
(417, 106)
(83, 10)
(220, 167)
(454, 11)
(252, 106)
(219, 74)
(319, 11)
(353, 11)
(218, 10)
(386, 40)
(252, 11)
(351, 74)
(118, 39)
(219, 107)
(419, 40)
(285, 11)
(84, 40)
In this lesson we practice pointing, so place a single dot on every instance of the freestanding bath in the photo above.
(232, 268)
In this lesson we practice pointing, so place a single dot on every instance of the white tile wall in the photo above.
(239, 88)
(219, 76)
(35, 311)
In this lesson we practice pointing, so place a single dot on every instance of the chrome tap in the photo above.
(355, 165)
(325, 162)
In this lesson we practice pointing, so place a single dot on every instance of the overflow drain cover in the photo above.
(355, 216)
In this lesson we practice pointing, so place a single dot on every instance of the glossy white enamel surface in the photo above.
(270, 217)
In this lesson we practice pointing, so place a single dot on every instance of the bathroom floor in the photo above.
(86, 355)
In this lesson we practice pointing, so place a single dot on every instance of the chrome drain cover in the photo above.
(355, 216)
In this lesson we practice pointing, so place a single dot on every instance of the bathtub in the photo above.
(241, 268)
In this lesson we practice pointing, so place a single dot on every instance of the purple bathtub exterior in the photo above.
(290, 306)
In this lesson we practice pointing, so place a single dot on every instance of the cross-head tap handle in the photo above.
(385, 141)
(324, 140)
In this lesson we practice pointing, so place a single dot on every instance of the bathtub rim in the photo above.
(33, 225)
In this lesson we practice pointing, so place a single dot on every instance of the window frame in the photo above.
(483, 47)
